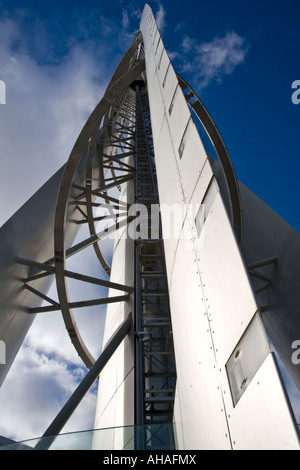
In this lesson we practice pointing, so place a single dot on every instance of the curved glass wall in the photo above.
(154, 437)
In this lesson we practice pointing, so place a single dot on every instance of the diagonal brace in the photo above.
(70, 406)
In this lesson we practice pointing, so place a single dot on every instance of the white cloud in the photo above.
(222, 55)
(125, 19)
(187, 44)
(161, 18)
(48, 369)
(211, 61)
(131, 16)
(35, 390)
(46, 107)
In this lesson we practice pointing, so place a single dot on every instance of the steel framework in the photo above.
(116, 155)
(118, 130)
(155, 367)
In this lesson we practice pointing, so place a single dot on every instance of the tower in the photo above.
(195, 285)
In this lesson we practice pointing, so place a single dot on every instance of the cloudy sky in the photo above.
(55, 61)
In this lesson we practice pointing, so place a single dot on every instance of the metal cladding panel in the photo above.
(157, 111)
(158, 51)
(263, 398)
(203, 182)
(169, 85)
(267, 235)
(115, 404)
(171, 223)
(29, 234)
(179, 116)
(211, 297)
(163, 64)
(191, 163)
(230, 300)
(199, 408)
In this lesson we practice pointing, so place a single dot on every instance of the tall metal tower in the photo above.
(203, 273)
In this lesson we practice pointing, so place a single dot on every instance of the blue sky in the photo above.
(248, 94)
(56, 59)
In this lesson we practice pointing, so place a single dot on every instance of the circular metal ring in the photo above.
(121, 80)
(223, 155)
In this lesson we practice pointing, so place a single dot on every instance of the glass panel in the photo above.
(185, 137)
(173, 100)
(249, 354)
(206, 205)
(149, 437)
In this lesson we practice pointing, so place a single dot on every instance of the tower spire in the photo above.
(194, 288)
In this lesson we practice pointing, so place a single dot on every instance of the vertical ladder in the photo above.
(155, 361)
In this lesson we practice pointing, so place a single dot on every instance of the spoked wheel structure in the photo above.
(96, 168)
(210, 291)
(114, 148)
(106, 141)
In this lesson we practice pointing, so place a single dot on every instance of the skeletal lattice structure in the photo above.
(203, 273)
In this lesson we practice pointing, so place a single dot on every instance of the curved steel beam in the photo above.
(70, 406)
(89, 208)
(223, 155)
(122, 78)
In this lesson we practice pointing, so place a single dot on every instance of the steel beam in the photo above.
(74, 275)
(223, 155)
(84, 386)
(80, 304)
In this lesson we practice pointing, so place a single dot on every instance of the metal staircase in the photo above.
(155, 362)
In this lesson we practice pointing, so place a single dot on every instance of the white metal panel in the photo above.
(156, 109)
(230, 299)
(202, 184)
(262, 420)
(169, 86)
(170, 195)
(158, 52)
(154, 32)
(28, 234)
(267, 235)
(179, 118)
(168, 165)
(192, 161)
(199, 394)
(115, 406)
(212, 302)
(163, 66)
(247, 357)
